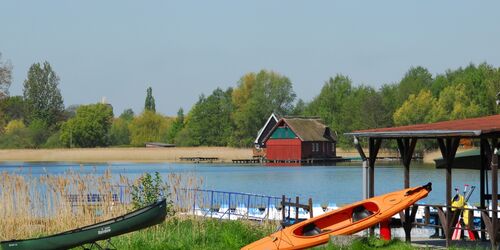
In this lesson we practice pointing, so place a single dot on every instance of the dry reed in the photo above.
(32, 206)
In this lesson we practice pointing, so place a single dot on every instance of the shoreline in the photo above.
(100, 155)
(142, 154)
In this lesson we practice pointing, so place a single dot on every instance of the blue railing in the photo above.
(231, 205)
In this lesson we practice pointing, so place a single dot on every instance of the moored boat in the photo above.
(135, 220)
(343, 221)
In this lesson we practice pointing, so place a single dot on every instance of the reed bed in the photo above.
(40, 205)
(33, 206)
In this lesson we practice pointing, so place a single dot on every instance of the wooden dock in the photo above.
(198, 159)
(246, 161)
(310, 161)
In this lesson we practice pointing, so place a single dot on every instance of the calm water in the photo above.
(340, 184)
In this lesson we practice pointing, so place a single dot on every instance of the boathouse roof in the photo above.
(268, 126)
(472, 127)
(306, 129)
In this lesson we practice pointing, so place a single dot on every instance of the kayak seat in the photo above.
(311, 229)
(359, 213)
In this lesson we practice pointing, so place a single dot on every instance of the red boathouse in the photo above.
(300, 139)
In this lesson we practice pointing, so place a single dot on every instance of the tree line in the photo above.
(233, 116)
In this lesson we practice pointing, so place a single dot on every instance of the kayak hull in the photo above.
(343, 221)
(138, 219)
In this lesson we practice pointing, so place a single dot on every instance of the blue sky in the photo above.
(181, 49)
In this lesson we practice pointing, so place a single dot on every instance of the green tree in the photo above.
(300, 108)
(89, 128)
(415, 80)
(12, 108)
(332, 105)
(148, 127)
(177, 126)
(127, 115)
(149, 104)
(5, 77)
(256, 96)
(453, 104)
(119, 133)
(209, 121)
(41, 94)
(38, 132)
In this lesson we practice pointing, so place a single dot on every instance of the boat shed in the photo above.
(299, 138)
(447, 134)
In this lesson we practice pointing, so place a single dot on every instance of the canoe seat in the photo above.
(311, 229)
(360, 212)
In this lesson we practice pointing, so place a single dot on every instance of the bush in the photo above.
(149, 190)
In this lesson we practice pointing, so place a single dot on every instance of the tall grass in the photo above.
(40, 205)
(31, 206)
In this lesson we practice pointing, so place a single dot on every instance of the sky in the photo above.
(116, 49)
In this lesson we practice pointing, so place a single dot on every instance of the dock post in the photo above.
(296, 209)
(283, 208)
(311, 208)
(211, 203)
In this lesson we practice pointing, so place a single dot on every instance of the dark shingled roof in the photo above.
(309, 129)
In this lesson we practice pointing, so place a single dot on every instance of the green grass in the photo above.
(199, 233)
(195, 233)
(371, 243)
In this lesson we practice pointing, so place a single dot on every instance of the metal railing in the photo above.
(232, 205)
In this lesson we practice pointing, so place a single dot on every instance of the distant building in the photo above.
(300, 138)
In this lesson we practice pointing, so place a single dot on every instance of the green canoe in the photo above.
(138, 219)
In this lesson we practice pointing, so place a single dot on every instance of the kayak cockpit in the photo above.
(337, 220)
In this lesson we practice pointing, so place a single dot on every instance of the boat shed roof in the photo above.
(472, 127)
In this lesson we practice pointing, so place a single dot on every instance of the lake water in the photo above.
(339, 184)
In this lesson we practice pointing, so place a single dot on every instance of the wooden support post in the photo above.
(485, 154)
(406, 148)
(374, 146)
(494, 195)
(365, 167)
(448, 147)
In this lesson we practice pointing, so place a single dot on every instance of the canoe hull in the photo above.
(139, 219)
(344, 221)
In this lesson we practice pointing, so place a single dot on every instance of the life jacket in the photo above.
(457, 201)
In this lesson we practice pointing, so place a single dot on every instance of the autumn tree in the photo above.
(417, 109)
(255, 98)
(149, 127)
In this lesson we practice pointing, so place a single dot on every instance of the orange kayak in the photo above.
(343, 221)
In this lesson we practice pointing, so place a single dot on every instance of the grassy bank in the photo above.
(195, 233)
